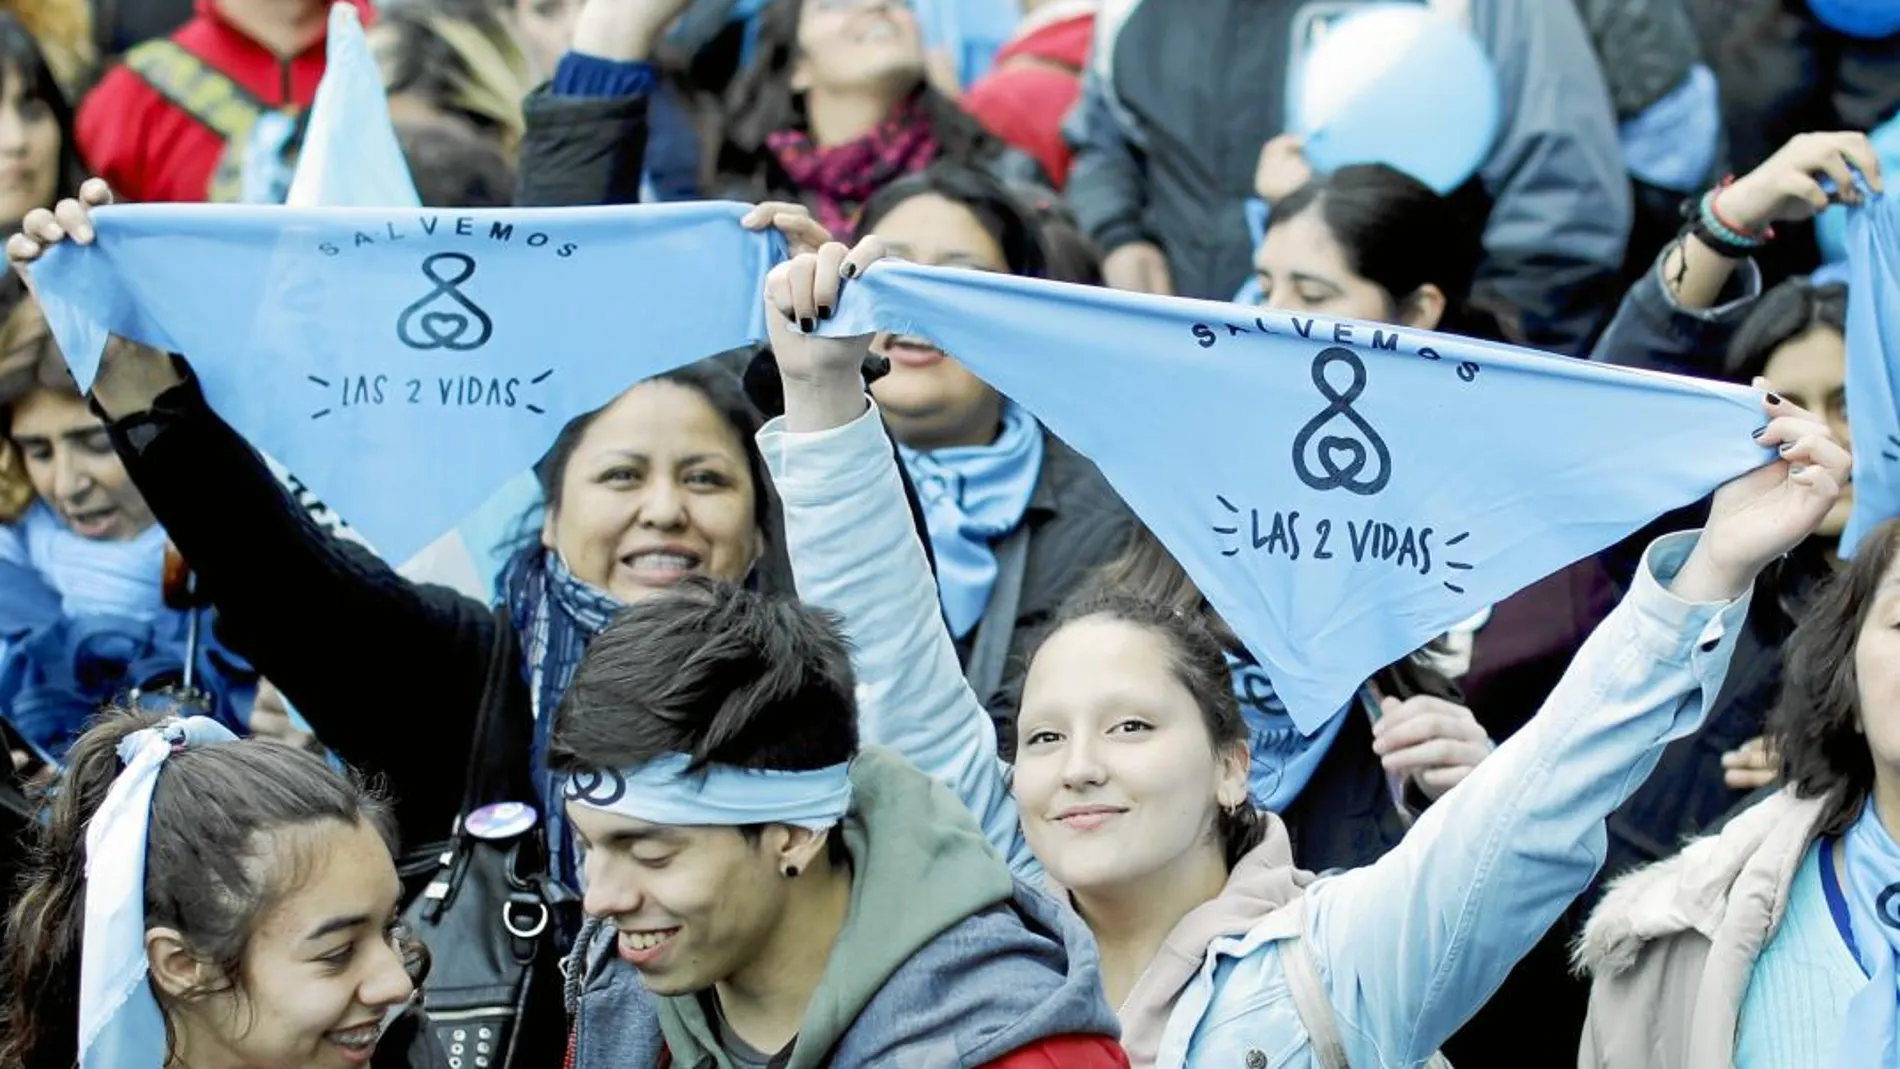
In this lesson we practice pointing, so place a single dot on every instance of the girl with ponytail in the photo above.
(195, 900)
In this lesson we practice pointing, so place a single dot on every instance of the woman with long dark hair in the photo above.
(836, 104)
(1775, 941)
(39, 155)
(1129, 787)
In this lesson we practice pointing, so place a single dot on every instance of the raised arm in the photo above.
(387, 671)
(1412, 945)
(1681, 315)
(855, 551)
(586, 138)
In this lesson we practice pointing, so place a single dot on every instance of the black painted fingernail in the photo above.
(824, 311)
(1784, 447)
(1759, 431)
(1774, 398)
(849, 270)
(805, 324)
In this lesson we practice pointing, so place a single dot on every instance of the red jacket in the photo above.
(1036, 80)
(1056, 1052)
(150, 150)
(1066, 1052)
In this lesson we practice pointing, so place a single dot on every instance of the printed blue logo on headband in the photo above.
(664, 792)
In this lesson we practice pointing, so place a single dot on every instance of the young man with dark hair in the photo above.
(761, 892)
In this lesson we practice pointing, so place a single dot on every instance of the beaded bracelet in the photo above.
(1708, 226)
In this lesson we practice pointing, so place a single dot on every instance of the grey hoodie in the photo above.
(944, 959)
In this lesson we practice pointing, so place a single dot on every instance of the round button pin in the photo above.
(503, 820)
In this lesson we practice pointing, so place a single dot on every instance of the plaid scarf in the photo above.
(838, 179)
(556, 615)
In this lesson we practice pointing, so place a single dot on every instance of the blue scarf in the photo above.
(1870, 1036)
(1294, 465)
(972, 496)
(83, 621)
(556, 615)
(1284, 757)
(1873, 362)
(92, 576)
(437, 384)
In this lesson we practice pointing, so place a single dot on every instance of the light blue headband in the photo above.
(662, 791)
(120, 1026)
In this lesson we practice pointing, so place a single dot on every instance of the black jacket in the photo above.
(391, 674)
(581, 150)
(1180, 97)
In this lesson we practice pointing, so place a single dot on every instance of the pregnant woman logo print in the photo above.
(445, 317)
(1339, 461)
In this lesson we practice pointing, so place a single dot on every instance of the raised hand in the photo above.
(823, 377)
(1433, 742)
(43, 229)
(1767, 512)
(131, 376)
(803, 233)
(624, 30)
(1138, 267)
(1787, 187)
(1282, 168)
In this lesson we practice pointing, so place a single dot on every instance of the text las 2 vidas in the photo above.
(1351, 456)
(405, 363)
(444, 318)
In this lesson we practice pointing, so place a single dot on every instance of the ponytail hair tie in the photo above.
(120, 1026)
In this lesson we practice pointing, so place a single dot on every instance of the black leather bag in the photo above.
(492, 918)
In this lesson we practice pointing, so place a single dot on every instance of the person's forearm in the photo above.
(856, 552)
(131, 377)
(820, 405)
(618, 31)
(1703, 580)
(1486, 871)
(1695, 274)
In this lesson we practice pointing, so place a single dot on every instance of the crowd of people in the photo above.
(832, 709)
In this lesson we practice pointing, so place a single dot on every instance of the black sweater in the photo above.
(392, 674)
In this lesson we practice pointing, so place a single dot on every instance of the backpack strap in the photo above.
(1288, 923)
(989, 651)
(209, 96)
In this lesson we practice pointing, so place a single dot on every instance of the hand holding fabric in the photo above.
(803, 234)
(1787, 188)
(823, 377)
(131, 376)
(1767, 512)
(1433, 742)
(42, 229)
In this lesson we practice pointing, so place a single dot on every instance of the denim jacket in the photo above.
(1409, 947)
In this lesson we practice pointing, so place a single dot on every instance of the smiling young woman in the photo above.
(1127, 793)
(269, 931)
